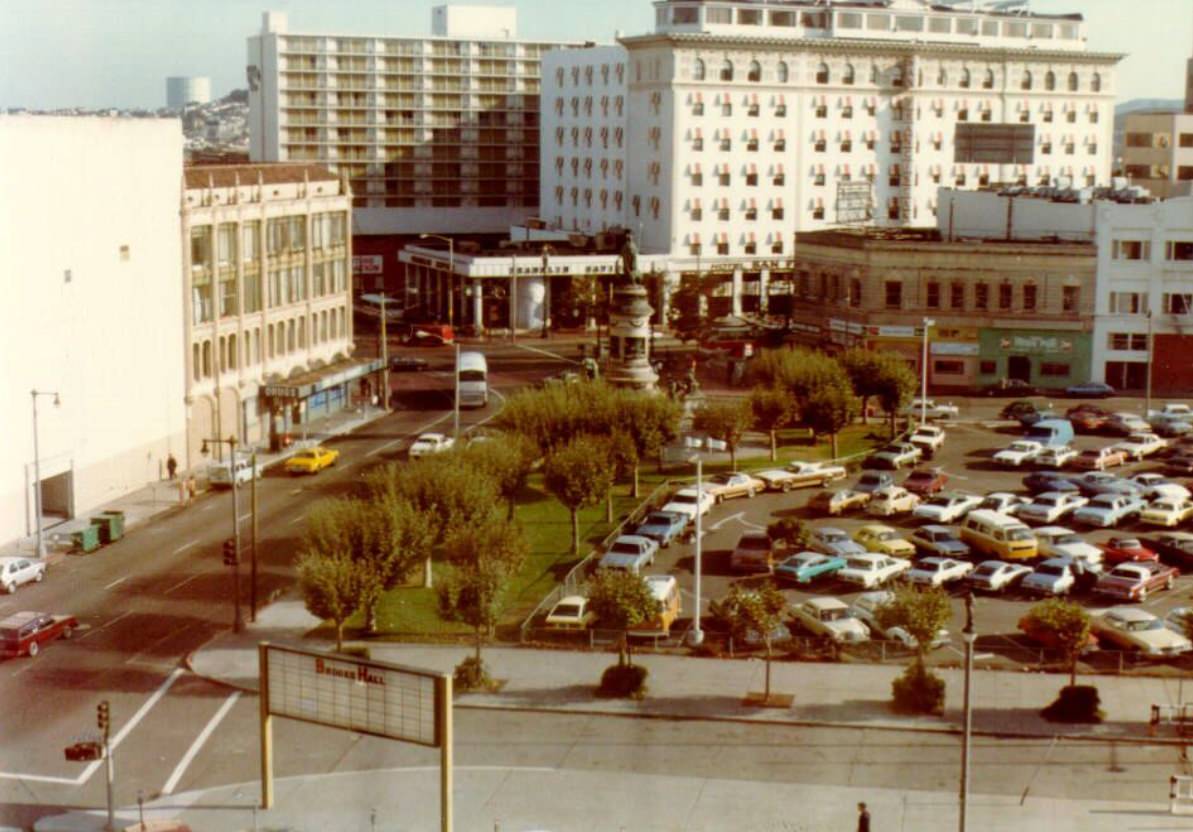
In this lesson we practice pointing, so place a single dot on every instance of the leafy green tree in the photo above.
(830, 410)
(726, 420)
(757, 610)
(621, 601)
(507, 461)
(922, 613)
(799, 371)
(486, 559)
(622, 453)
(864, 368)
(791, 531)
(333, 585)
(653, 421)
(774, 408)
(896, 385)
(1067, 623)
(578, 475)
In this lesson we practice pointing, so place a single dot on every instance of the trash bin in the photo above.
(110, 525)
(86, 540)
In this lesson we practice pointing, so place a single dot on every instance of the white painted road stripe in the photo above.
(547, 353)
(184, 547)
(116, 582)
(181, 584)
(198, 744)
(122, 615)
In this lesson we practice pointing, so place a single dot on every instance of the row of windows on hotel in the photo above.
(283, 234)
(895, 76)
(286, 285)
(282, 338)
(819, 140)
(845, 110)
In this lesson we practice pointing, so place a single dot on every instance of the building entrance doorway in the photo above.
(1019, 368)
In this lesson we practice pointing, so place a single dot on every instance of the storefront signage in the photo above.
(953, 348)
(837, 325)
(894, 332)
(1047, 344)
(368, 264)
(280, 391)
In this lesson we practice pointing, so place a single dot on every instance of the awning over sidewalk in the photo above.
(315, 381)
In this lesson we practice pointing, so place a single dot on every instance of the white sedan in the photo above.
(1050, 507)
(866, 608)
(686, 500)
(1055, 456)
(1003, 502)
(1140, 445)
(871, 571)
(1017, 453)
(430, 443)
(946, 508)
(817, 472)
(938, 571)
(996, 575)
(931, 410)
(1059, 542)
(1167, 512)
(17, 571)
(893, 499)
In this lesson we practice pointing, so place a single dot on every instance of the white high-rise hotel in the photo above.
(736, 124)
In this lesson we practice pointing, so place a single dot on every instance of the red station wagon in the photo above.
(23, 633)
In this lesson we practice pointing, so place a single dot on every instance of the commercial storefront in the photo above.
(290, 408)
(1049, 359)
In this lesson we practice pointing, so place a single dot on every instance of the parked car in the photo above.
(1090, 390)
(1138, 446)
(24, 633)
(1180, 464)
(1135, 581)
(1009, 387)
(1172, 547)
(928, 438)
(16, 571)
(1124, 423)
(408, 364)
(1059, 542)
(430, 443)
(829, 541)
(1041, 481)
(1055, 457)
(830, 617)
(311, 460)
(1109, 510)
(1157, 486)
(1098, 459)
(221, 474)
(686, 501)
(817, 473)
(1018, 453)
(940, 541)
(629, 553)
(885, 540)
(866, 609)
(834, 503)
(948, 507)
(871, 481)
(1087, 418)
(894, 456)
(924, 481)
(571, 613)
(1123, 549)
(1003, 502)
(1055, 576)
(1050, 507)
(1168, 512)
(1093, 483)
(931, 409)
(892, 500)
(870, 570)
(1131, 628)
(753, 553)
(1169, 427)
(935, 571)
(996, 576)
(1021, 411)
(806, 567)
(778, 479)
(728, 485)
(663, 527)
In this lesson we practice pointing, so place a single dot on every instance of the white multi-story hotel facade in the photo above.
(267, 257)
(747, 122)
(91, 313)
(435, 134)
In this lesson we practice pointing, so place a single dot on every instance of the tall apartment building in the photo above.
(1158, 152)
(267, 258)
(745, 122)
(435, 134)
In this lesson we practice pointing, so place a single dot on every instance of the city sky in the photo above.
(118, 53)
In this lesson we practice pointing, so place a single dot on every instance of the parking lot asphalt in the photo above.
(966, 460)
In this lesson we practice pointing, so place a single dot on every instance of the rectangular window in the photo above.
(1185, 140)
(226, 244)
(1128, 303)
(276, 229)
(1054, 369)
(228, 305)
(201, 247)
(957, 295)
(697, 178)
(1070, 298)
(1029, 297)
(1181, 304)
(1005, 294)
(932, 301)
(252, 291)
(894, 294)
(988, 368)
(948, 368)
(1178, 250)
(1131, 250)
(855, 292)
(981, 296)
(251, 240)
(715, 15)
(777, 213)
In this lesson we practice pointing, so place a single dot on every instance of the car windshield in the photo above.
(921, 475)
(658, 520)
(986, 571)
(834, 614)
(861, 563)
(1067, 538)
(761, 543)
(940, 501)
(624, 548)
(833, 536)
(1139, 626)
(684, 498)
(1019, 533)
(1103, 502)
(1050, 569)
(568, 611)
(1020, 446)
(1048, 500)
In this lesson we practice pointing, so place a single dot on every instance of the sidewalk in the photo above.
(161, 497)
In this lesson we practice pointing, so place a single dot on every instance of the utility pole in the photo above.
(1147, 406)
(384, 360)
(696, 635)
(253, 544)
(970, 636)
(103, 719)
(232, 544)
(456, 403)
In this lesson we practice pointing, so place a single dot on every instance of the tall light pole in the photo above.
(696, 635)
(928, 324)
(513, 296)
(970, 636)
(232, 554)
(1147, 401)
(456, 408)
(547, 252)
(41, 543)
(451, 273)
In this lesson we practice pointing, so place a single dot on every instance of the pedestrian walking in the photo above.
(863, 818)
(171, 465)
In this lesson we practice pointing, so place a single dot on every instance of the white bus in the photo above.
(473, 379)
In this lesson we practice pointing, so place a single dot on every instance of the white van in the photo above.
(999, 536)
(219, 474)
(473, 379)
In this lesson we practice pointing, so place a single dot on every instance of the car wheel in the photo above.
(38, 577)
(11, 588)
(1168, 583)
(34, 648)
(750, 492)
(68, 633)
(1143, 594)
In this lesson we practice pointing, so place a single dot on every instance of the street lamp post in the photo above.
(928, 324)
(41, 543)
(970, 636)
(513, 296)
(1147, 401)
(547, 252)
(232, 558)
(451, 273)
(696, 635)
(456, 406)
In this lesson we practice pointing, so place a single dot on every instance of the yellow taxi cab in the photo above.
(311, 460)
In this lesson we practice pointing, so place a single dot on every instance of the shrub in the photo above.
(471, 674)
(623, 681)
(1076, 703)
(918, 691)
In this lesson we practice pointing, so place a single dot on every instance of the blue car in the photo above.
(663, 527)
(1041, 481)
(807, 567)
(1090, 390)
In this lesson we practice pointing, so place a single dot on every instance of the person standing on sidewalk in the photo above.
(863, 818)
(171, 465)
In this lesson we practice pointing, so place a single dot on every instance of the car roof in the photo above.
(1130, 613)
(18, 619)
(660, 585)
(631, 538)
(824, 603)
(572, 599)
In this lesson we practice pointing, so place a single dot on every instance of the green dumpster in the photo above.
(87, 539)
(110, 525)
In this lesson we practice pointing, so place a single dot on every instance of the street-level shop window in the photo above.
(948, 368)
(1054, 369)
(988, 368)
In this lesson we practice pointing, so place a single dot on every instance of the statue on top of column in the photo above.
(629, 262)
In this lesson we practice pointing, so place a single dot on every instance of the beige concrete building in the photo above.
(1019, 309)
(268, 327)
(1158, 152)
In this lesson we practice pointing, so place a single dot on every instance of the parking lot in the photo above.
(966, 460)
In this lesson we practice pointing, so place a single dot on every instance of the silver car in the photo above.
(17, 571)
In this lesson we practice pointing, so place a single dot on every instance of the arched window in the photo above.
(784, 73)
(964, 82)
(942, 77)
(897, 75)
(196, 367)
(755, 74)
(727, 70)
(206, 359)
(1095, 83)
(698, 70)
(848, 76)
(822, 73)
(1050, 80)
(1026, 82)
(1072, 82)
(988, 81)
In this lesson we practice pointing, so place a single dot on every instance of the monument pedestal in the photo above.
(630, 340)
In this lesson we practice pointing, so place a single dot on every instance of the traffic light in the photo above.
(231, 556)
(103, 717)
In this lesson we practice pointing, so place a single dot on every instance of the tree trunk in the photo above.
(892, 425)
(511, 504)
(340, 636)
(575, 531)
(733, 457)
(774, 445)
(766, 690)
(634, 487)
(479, 640)
(865, 410)
(835, 452)
(609, 505)
(428, 582)
(371, 615)
(623, 650)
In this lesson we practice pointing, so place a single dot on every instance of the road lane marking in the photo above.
(547, 353)
(184, 547)
(151, 647)
(120, 617)
(198, 744)
(208, 507)
(717, 525)
(300, 518)
(117, 582)
(181, 584)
